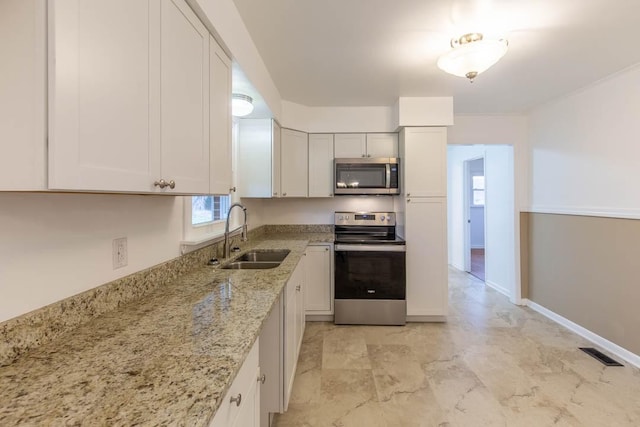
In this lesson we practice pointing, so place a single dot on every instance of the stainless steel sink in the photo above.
(262, 255)
(258, 259)
(251, 265)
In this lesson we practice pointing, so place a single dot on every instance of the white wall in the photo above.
(585, 150)
(57, 245)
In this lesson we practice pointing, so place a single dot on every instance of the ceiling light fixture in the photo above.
(241, 105)
(471, 55)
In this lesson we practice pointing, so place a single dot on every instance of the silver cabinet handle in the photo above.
(298, 288)
(262, 378)
(326, 249)
(368, 155)
(275, 193)
(284, 194)
(232, 190)
(237, 399)
(408, 194)
(162, 184)
(408, 200)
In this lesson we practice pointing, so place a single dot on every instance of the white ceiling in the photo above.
(370, 52)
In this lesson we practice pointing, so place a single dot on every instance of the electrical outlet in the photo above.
(120, 255)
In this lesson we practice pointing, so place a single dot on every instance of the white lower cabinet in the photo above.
(281, 339)
(240, 407)
(318, 292)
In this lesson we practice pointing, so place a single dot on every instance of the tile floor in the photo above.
(491, 364)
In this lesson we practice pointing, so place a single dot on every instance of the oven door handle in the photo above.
(371, 248)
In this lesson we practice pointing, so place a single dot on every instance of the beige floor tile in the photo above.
(491, 364)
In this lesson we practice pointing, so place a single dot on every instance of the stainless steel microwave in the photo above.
(367, 175)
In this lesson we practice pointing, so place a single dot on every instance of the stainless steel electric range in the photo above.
(370, 275)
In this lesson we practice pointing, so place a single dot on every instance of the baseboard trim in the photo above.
(429, 318)
(318, 317)
(609, 346)
(504, 291)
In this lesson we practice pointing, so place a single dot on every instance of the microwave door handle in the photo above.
(388, 165)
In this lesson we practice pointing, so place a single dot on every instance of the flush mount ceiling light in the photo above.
(241, 105)
(471, 55)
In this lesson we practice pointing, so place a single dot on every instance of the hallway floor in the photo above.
(477, 263)
(491, 364)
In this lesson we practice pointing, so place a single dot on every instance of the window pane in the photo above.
(478, 197)
(206, 209)
(478, 182)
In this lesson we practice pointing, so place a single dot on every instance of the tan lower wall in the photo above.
(586, 270)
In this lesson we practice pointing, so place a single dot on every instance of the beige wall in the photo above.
(586, 269)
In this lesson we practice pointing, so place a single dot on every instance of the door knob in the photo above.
(237, 399)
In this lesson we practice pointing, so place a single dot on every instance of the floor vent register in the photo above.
(598, 355)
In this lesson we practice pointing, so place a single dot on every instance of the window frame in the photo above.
(474, 189)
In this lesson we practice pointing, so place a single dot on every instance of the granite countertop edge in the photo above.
(168, 358)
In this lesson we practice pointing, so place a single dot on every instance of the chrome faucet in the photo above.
(227, 249)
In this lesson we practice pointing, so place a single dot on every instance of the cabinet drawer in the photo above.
(242, 386)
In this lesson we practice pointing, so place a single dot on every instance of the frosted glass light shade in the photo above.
(241, 105)
(472, 58)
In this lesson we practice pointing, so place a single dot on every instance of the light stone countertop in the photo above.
(166, 359)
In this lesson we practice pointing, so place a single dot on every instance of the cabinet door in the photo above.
(290, 356)
(104, 68)
(424, 162)
(248, 413)
(294, 163)
(317, 293)
(350, 145)
(184, 98)
(244, 387)
(321, 165)
(276, 168)
(382, 145)
(23, 99)
(300, 308)
(219, 119)
(255, 154)
(271, 362)
(426, 236)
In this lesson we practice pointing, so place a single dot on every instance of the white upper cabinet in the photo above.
(129, 97)
(423, 151)
(219, 119)
(184, 98)
(276, 166)
(382, 145)
(321, 165)
(294, 166)
(349, 145)
(104, 70)
(258, 158)
(352, 145)
(23, 101)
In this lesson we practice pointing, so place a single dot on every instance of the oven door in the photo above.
(370, 271)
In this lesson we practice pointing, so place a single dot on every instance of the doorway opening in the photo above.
(474, 195)
(481, 213)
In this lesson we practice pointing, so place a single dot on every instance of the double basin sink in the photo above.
(258, 259)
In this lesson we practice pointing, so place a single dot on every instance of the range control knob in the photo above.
(341, 218)
(381, 217)
(347, 217)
